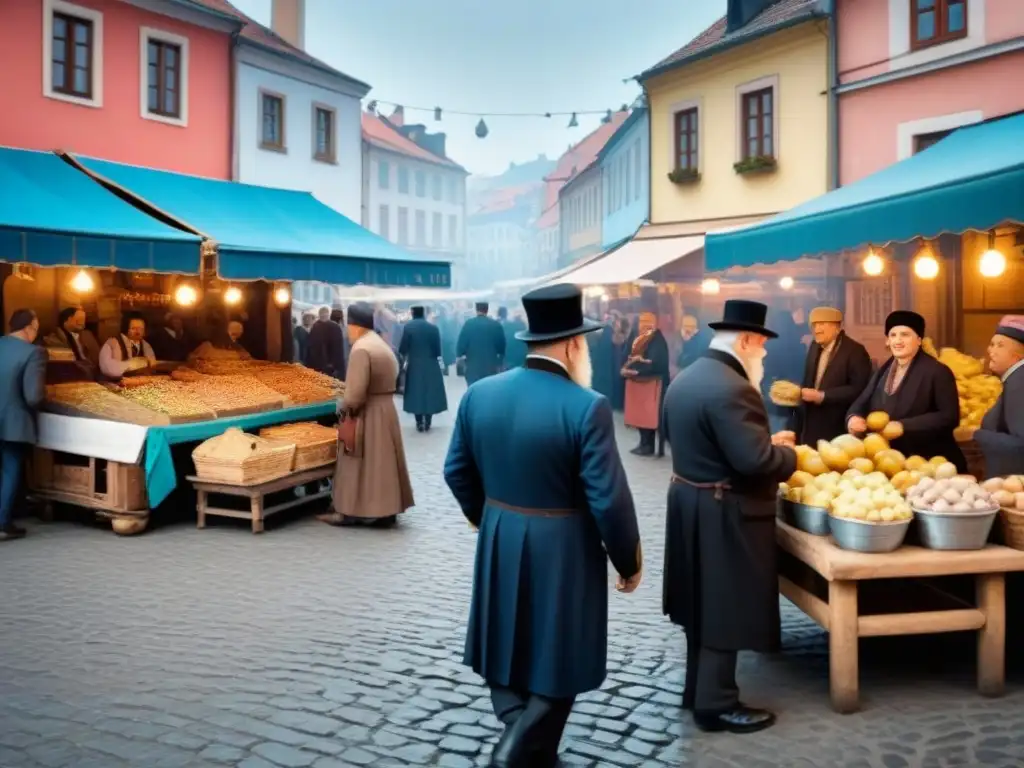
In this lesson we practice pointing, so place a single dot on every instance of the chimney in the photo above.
(398, 116)
(288, 20)
(741, 12)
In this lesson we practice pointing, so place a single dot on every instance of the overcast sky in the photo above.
(499, 56)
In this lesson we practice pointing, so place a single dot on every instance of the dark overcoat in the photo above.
(720, 579)
(449, 328)
(553, 506)
(482, 343)
(420, 349)
(326, 349)
(846, 374)
(22, 389)
(1001, 437)
(926, 404)
(515, 350)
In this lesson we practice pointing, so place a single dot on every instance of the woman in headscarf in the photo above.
(916, 391)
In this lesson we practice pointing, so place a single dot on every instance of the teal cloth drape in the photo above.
(160, 475)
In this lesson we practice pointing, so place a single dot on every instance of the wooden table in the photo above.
(257, 494)
(840, 613)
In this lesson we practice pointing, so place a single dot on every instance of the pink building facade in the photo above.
(911, 71)
(146, 82)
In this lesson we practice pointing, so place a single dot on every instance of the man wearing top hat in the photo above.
(1001, 437)
(836, 372)
(420, 352)
(553, 506)
(482, 344)
(720, 581)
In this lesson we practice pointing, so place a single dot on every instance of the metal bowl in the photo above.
(862, 536)
(954, 530)
(805, 517)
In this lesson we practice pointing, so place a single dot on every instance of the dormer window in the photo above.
(933, 22)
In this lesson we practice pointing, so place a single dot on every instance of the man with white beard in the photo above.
(534, 466)
(720, 581)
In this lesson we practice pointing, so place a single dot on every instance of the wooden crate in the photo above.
(88, 482)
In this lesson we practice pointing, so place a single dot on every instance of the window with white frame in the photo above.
(453, 231)
(403, 180)
(383, 174)
(437, 229)
(421, 228)
(757, 110)
(163, 60)
(72, 53)
(403, 226)
(384, 222)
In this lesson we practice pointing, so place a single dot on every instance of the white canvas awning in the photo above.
(634, 261)
(372, 293)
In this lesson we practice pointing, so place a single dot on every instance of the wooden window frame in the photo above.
(692, 115)
(281, 144)
(149, 36)
(942, 34)
(93, 20)
(746, 99)
(71, 23)
(331, 156)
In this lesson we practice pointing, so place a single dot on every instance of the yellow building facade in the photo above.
(763, 105)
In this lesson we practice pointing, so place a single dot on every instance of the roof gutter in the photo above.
(727, 45)
(830, 7)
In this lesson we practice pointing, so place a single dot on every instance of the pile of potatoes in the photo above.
(1007, 491)
(956, 494)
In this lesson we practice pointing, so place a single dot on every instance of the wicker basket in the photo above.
(235, 458)
(975, 458)
(315, 445)
(1011, 521)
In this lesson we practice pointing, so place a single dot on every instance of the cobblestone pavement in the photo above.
(314, 646)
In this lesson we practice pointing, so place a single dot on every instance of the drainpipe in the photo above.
(831, 7)
(650, 151)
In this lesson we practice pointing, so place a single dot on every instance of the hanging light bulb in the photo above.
(282, 296)
(437, 114)
(786, 283)
(992, 263)
(82, 282)
(186, 295)
(926, 267)
(710, 286)
(873, 264)
(233, 296)
(481, 129)
(573, 122)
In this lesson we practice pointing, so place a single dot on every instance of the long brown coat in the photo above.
(373, 481)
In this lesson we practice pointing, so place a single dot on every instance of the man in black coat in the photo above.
(515, 350)
(300, 337)
(1001, 437)
(482, 344)
(420, 352)
(720, 580)
(836, 372)
(326, 351)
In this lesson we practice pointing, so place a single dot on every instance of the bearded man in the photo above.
(720, 581)
(553, 506)
(1001, 437)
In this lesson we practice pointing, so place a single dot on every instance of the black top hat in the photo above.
(555, 312)
(742, 315)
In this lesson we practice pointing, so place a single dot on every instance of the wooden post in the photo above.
(991, 596)
(844, 681)
(256, 504)
(200, 509)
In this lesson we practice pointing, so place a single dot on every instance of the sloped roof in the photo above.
(575, 161)
(779, 15)
(503, 198)
(265, 37)
(378, 133)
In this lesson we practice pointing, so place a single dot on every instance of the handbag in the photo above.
(400, 381)
(347, 428)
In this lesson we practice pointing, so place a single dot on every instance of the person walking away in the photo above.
(916, 391)
(515, 350)
(835, 373)
(22, 389)
(553, 506)
(482, 344)
(424, 385)
(371, 477)
(720, 580)
(326, 352)
(1001, 436)
(647, 375)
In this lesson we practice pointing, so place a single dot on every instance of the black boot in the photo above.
(419, 423)
(426, 423)
(515, 748)
(646, 446)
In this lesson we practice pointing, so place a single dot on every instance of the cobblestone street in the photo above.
(315, 646)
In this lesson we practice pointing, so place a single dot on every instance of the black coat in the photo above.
(1001, 437)
(301, 337)
(482, 343)
(926, 404)
(419, 350)
(326, 351)
(846, 375)
(720, 579)
(693, 349)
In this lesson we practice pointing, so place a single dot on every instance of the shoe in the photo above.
(10, 532)
(741, 719)
(419, 427)
(642, 450)
(514, 749)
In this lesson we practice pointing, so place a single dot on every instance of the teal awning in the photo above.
(52, 215)
(263, 233)
(971, 180)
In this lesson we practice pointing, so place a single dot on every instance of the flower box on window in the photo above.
(754, 165)
(684, 175)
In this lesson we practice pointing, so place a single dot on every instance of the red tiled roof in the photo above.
(378, 133)
(267, 38)
(574, 162)
(778, 14)
(504, 198)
